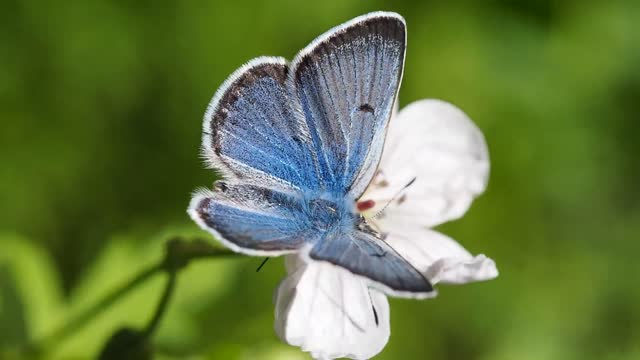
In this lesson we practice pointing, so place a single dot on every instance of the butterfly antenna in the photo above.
(379, 213)
(262, 264)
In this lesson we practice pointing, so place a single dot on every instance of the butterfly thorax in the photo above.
(331, 214)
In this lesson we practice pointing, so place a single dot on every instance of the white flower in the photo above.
(435, 149)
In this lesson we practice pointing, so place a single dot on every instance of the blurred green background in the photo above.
(101, 105)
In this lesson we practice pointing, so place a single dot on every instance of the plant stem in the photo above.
(87, 315)
(179, 253)
(162, 305)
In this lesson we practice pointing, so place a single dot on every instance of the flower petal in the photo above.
(436, 144)
(455, 271)
(438, 257)
(330, 313)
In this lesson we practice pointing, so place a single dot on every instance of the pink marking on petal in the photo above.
(365, 205)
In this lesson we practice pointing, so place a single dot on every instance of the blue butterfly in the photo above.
(298, 143)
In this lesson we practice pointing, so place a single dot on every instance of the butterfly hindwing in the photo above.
(347, 81)
(252, 219)
(365, 254)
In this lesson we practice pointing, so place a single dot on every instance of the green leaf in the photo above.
(30, 295)
(13, 326)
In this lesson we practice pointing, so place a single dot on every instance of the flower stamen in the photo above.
(403, 198)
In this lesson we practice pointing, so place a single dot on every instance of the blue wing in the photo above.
(253, 131)
(347, 81)
(324, 129)
(366, 255)
(252, 219)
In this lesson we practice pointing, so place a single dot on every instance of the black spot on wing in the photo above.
(366, 108)
(220, 186)
(203, 208)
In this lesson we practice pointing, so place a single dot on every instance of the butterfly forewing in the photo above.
(254, 133)
(346, 82)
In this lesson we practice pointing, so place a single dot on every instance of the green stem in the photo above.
(162, 305)
(87, 315)
(179, 253)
